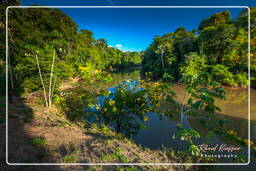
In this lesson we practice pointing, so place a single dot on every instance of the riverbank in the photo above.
(46, 136)
(54, 137)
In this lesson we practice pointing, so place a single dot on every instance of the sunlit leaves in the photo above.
(188, 135)
(124, 108)
(193, 149)
(218, 18)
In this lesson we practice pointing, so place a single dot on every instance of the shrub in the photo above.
(241, 79)
(123, 109)
(193, 65)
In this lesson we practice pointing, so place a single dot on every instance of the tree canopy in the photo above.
(46, 31)
(219, 40)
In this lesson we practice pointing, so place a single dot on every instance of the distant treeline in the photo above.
(219, 47)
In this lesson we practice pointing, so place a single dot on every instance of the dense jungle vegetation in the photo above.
(48, 32)
(219, 46)
(72, 71)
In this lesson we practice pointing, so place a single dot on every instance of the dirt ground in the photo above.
(40, 135)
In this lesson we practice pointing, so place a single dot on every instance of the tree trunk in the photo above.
(162, 54)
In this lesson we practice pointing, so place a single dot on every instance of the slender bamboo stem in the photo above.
(50, 86)
(55, 78)
(42, 82)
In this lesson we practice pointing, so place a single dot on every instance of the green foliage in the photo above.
(91, 75)
(3, 6)
(201, 94)
(188, 135)
(217, 52)
(71, 158)
(203, 98)
(123, 110)
(38, 141)
(240, 159)
(132, 168)
(192, 67)
(220, 48)
(220, 41)
(218, 18)
(223, 75)
(115, 156)
(71, 103)
(98, 55)
(167, 52)
(44, 31)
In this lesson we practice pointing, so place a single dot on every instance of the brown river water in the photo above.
(234, 109)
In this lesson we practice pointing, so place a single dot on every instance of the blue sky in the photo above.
(134, 29)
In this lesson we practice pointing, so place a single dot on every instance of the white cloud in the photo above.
(118, 46)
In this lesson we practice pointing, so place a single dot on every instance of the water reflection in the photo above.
(158, 133)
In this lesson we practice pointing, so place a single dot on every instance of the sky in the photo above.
(131, 29)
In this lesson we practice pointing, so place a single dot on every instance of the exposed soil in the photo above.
(64, 141)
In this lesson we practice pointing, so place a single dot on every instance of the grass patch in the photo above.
(106, 142)
(117, 155)
(71, 158)
(105, 129)
(38, 141)
(91, 169)
(64, 123)
(128, 169)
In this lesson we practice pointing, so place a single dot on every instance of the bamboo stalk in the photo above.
(50, 86)
(42, 82)
(55, 78)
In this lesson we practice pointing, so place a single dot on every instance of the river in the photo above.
(159, 131)
(234, 109)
